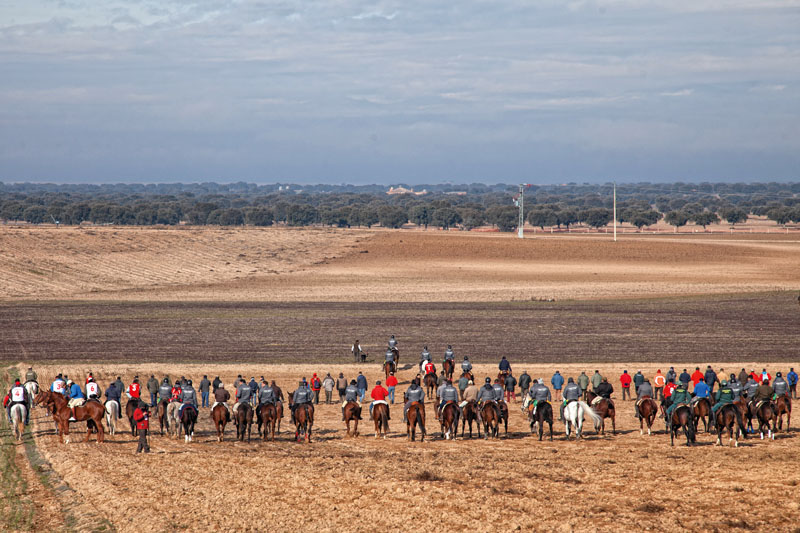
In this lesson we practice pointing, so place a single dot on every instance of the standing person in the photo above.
(205, 389)
(583, 382)
(463, 383)
(215, 384)
(658, 385)
(316, 385)
(710, 377)
(685, 378)
(120, 386)
(356, 350)
(765, 376)
(152, 388)
(328, 383)
(743, 376)
(510, 383)
(557, 381)
(341, 386)
(697, 376)
(638, 379)
(253, 391)
(671, 374)
(625, 381)
(791, 377)
(597, 379)
(361, 383)
(391, 383)
(142, 418)
(524, 383)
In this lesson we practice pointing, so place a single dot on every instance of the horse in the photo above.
(303, 420)
(765, 414)
(279, 414)
(682, 418)
(544, 413)
(490, 415)
(468, 375)
(267, 415)
(112, 415)
(92, 411)
(32, 388)
(172, 415)
(648, 409)
(725, 418)
(352, 413)
(449, 420)
(471, 415)
(243, 418)
(389, 367)
(573, 418)
(701, 409)
(380, 415)
(449, 367)
(130, 407)
(18, 412)
(783, 406)
(415, 416)
(744, 409)
(396, 353)
(430, 382)
(188, 418)
(219, 415)
(503, 406)
(605, 409)
(161, 414)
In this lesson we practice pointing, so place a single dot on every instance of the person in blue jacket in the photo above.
(557, 381)
(791, 377)
(361, 384)
(701, 390)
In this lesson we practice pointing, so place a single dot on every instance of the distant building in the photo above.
(403, 190)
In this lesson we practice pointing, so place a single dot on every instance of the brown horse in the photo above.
(161, 415)
(765, 414)
(449, 366)
(352, 413)
(389, 367)
(544, 413)
(449, 420)
(468, 375)
(701, 409)
(92, 411)
(471, 415)
(604, 409)
(219, 415)
(243, 418)
(303, 420)
(130, 407)
(430, 384)
(682, 418)
(648, 409)
(490, 415)
(188, 418)
(744, 410)
(783, 406)
(267, 415)
(396, 353)
(726, 417)
(415, 416)
(380, 415)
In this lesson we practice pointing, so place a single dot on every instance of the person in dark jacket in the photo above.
(557, 381)
(791, 378)
(524, 383)
(341, 386)
(672, 375)
(604, 390)
(504, 365)
(638, 379)
(361, 383)
(205, 389)
(215, 384)
(141, 416)
(685, 378)
(510, 383)
(743, 375)
(710, 377)
(152, 388)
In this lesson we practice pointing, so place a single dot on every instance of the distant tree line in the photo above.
(445, 206)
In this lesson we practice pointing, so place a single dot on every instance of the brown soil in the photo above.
(612, 482)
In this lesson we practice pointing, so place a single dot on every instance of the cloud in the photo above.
(682, 92)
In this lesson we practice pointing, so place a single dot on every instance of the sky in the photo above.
(418, 91)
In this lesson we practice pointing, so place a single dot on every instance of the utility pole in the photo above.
(615, 211)
(519, 201)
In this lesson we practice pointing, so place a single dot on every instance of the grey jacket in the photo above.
(466, 366)
(303, 395)
(392, 342)
(486, 393)
(780, 386)
(266, 395)
(542, 393)
(449, 394)
(449, 355)
(165, 392)
(205, 385)
(189, 395)
(572, 391)
(415, 393)
(425, 356)
(750, 387)
(440, 389)
(351, 393)
(498, 391)
(645, 389)
(243, 393)
(389, 356)
(736, 389)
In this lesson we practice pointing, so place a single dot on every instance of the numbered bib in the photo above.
(58, 386)
(17, 394)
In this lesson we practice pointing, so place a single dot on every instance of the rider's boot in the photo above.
(72, 415)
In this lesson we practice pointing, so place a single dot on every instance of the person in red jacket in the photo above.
(697, 376)
(391, 382)
(141, 417)
(316, 385)
(134, 390)
(378, 394)
(625, 381)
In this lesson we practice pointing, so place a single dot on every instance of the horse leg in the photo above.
(614, 425)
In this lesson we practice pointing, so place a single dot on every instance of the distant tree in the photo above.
(35, 214)
(226, 217)
(781, 215)
(421, 215)
(506, 218)
(258, 216)
(168, 216)
(368, 216)
(542, 217)
(705, 218)
(301, 215)
(597, 217)
(641, 219)
(568, 217)
(677, 218)
(12, 210)
(734, 215)
(146, 217)
(445, 217)
(471, 218)
(392, 217)
(198, 214)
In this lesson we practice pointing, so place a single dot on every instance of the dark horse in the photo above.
(702, 410)
(449, 420)
(648, 409)
(604, 409)
(765, 414)
(380, 415)
(783, 406)
(219, 415)
(188, 420)
(243, 418)
(352, 413)
(449, 367)
(468, 375)
(430, 384)
(161, 415)
(267, 414)
(130, 407)
(544, 413)
(389, 367)
(471, 415)
(92, 411)
(490, 414)
(682, 418)
(726, 417)
(303, 420)
(415, 416)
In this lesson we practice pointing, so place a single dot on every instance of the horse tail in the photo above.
(587, 409)
(385, 419)
(740, 421)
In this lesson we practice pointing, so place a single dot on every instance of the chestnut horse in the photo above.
(468, 375)
(380, 415)
(267, 415)
(702, 410)
(490, 415)
(648, 409)
(471, 415)
(243, 418)
(92, 411)
(303, 420)
(430, 384)
(783, 406)
(389, 367)
(544, 413)
(219, 415)
(161, 415)
(352, 413)
(682, 418)
(604, 409)
(449, 367)
(130, 407)
(765, 414)
(415, 416)
(449, 420)
(726, 417)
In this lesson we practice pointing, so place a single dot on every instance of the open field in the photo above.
(326, 265)
(614, 482)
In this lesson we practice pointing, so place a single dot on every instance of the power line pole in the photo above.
(519, 201)
(615, 211)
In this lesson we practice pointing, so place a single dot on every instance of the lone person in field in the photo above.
(357, 351)
(142, 418)
(791, 377)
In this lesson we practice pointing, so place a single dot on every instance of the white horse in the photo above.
(573, 416)
(174, 422)
(18, 412)
(112, 415)
(32, 388)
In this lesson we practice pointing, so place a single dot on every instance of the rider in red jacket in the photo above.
(133, 389)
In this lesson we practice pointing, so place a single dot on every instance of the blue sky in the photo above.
(413, 91)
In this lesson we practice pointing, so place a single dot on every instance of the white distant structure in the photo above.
(403, 190)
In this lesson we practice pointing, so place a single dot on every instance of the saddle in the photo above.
(697, 399)
(641, 400)
(76, 402)
(376, 402)
(597, 399)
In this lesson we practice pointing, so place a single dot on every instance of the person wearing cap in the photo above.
(764, 393)
(142, 418)
(222, 396)
(724, 396)
(378, 394)
(414, 393)
(658, 384)
(625, 382)
(750, 387)
(188, 394)
(134, 390)
(350, 395)
(470, 392)
(486, 393)
(17, 395)
(59, 386)
(780, 387)
(735, 386)
(791, 377)
(645, 390)
(92, 390)
(243, 393)
(76, 397)
(680, 396)
(466, 365)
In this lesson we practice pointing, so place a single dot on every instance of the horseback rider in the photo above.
(222, 396)
(486, 393)
(302, 395)
(680, 396)
(764, 392)
(392, 343)
(499, 391)
(188, 395)
(30, 375)
(449, 355)
(604, 390)
(17, 395)
(735, 386)
(164, 390)
(76, 398)
(414, 393)
(572, 392)
(701, 390)
(243, 393)
(448, 394)
(504, 365)
(541, 393)
(645, 390)
(114, 394)
(266, 395)
(92, 390)
(390, 356)
(134, 390)
(780, 386)
(724, 396)
(350, 395)
(378, 394)
(466, 366)
(750, 387)
(425, 355)
(59, 386)
(176, 394)
(430, 368)
(470, 393)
